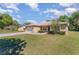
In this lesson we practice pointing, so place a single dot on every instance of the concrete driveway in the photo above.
(20, 33)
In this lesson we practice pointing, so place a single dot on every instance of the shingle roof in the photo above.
(42, 24)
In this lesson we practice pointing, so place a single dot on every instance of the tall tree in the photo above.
(54, 26)
(74, 21)
(15, 23)
(5, 20)
(63, 18)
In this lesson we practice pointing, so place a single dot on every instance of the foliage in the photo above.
(41, 31)
(54, 26)
(11, 46)
(62, 33)
(6, 20)
(15, 23)
(74, 21)
(1, 24)
(63, 18)
(51, 32)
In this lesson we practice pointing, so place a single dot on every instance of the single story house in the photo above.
(45, 27)
(36, 27)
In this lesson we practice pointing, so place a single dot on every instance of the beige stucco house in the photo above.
(35, 28)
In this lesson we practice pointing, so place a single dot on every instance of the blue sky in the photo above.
(38, 12)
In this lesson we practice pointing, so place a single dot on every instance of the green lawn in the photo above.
(51, 44)
(7, 31)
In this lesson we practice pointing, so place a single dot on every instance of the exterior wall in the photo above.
(36, 29)
(64, 28)
(28, 29)
(21, 29)
(32, 29)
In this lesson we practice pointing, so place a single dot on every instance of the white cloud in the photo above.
(11, 6)
(14, 18)
(34, 6)
(58, 13)
(18, 16)
(6, 10)
(54, 11)
(70, 10)
(31, 21)
(18, 20)
(2, 10)
(10, 11)
(66, 4)
(51, 17)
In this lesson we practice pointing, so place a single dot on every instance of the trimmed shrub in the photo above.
(41, 31)
(62, 33)
(51, 32)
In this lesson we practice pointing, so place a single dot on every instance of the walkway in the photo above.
(20, 33)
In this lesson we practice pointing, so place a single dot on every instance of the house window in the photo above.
(45, 29)
(62, 26)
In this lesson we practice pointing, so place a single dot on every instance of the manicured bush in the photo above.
(62, 33)
(41, 31)
(51, 32)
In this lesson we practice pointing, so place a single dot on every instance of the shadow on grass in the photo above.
(12, 46)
